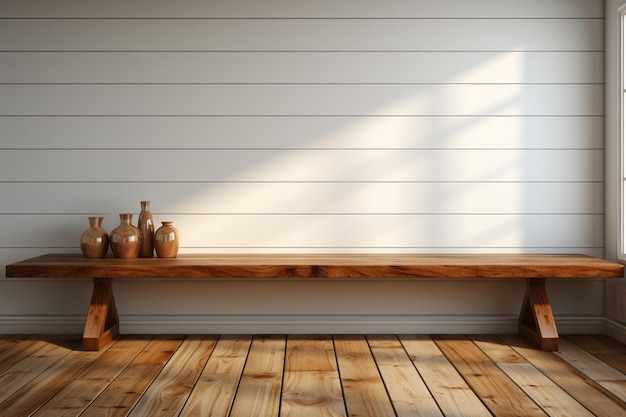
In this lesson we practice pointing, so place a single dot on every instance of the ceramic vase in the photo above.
(166, 241)
(146, 226)
(126, 239)
(94, 242)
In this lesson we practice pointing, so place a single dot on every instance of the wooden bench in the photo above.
(536, 320)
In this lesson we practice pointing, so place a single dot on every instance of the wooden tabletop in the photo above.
(319, 266)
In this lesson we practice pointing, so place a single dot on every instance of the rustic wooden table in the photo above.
(536, 320)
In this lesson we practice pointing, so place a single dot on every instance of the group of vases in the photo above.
(128, 241)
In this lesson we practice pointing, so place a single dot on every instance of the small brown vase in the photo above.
(126, 238)
(146, 225)
(166, 241)
(94, 242)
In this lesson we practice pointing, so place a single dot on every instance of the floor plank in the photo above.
(608, 377)
(586, 391)
(311, 375)
(407, 390)
(69, 364)
(259, 390)
(312, 387)
(501, 395)
(42, 356)
(214, 393)
(449, 389)
(120, 396)
(76, 396)
(13, 351)
(364, 391)
(555, 401)
(169, 391)
(602, 349)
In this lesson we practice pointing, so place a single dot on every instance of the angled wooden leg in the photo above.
(536, 321)
(102, 323)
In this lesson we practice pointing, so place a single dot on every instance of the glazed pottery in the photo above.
(166, 241)
(126, 239)
(146, 226)
(94, 242)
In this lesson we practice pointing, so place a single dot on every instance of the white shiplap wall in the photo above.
(295, 126)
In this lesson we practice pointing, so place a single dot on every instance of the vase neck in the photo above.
(95, 221)
(126, 218)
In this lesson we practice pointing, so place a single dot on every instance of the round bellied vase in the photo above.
(146, 226)
(126, 239)
(166, 240)
(94, 242)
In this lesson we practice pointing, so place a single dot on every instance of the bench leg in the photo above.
(102, 323)
(536, 321)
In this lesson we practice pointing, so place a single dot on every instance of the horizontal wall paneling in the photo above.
(296, 126)
(304, 34)
(167, 198)
(335, 232)
(306, 9)
(510, 67)
(298, 100)
(371, 165)
(301, 132)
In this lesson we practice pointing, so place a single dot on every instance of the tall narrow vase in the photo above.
(126, 238)
(94, 242)
(166, 241)
(146, 226)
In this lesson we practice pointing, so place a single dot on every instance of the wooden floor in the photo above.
(341, 375)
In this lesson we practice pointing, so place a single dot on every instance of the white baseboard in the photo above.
(321, 324)
(266, 324)
(31, 324)
(616, 330)
(307, 324)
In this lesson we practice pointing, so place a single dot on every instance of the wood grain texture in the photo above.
(407, 390)
(485, 378)
(102, 323)
(609, 378)
(598, 346)
(12, 353)
(157, 372)
(364, 390)
(261, 380)
(536, 320)
(554, 400)
(319, 266)
(551, 398)
(311, 385)
(445, 383)
(78, 394)
(215, 390)
(72, 363)
(584, 389)
(128, 388)
(17, 377)
(169, 392)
